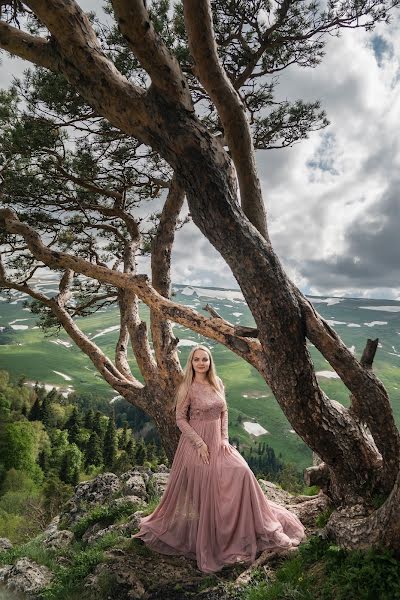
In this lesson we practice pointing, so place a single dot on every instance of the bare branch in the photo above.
(29, 47)
(164, 70)
(249, 350)
(164, 341)
(209, 70)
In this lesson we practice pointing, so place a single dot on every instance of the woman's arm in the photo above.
(182, 422)
(224, 415)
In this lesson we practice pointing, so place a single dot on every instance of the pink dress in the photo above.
(214, 513)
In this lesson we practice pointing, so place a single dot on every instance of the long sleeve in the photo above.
(182, 422)
(224, 417)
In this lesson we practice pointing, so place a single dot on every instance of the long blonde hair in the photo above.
(188, 376)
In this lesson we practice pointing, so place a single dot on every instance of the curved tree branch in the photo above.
(164, 70)
(164, 341)
(209, 70)
(29, 47)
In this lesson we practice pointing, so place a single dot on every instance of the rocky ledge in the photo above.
(114, 504)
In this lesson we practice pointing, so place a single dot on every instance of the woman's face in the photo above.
(201, 361)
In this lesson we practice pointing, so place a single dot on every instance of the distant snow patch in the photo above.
(12, 322)
(61, 343)
(254, 428)
(115, 398)
(328, 374)
(384, 308)
(66, 377)
(108, 330)
(187, 343)
(327, 301)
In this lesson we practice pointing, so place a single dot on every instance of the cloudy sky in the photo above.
(333, 201)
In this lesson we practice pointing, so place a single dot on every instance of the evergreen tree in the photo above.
(94, 454)
(36, 411)
(70, 464)
(141, 452)
(123, 437)
(97, 425)
(131, 450)
(110, 444)
(73, 426)
(45, 411)
(89, 418)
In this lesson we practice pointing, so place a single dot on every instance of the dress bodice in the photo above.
(202, 403)
(205, 403)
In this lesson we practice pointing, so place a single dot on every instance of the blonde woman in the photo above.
(213, 509)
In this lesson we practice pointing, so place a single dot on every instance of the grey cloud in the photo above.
(371, 257)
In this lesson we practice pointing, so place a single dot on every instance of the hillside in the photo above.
(255, 416)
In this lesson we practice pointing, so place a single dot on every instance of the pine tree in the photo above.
(94, 454)
(141, 452)
(123, 437)
(131, 450)
(110, 444)
(89, 418)
(73, 426)
(45, 412)
(97, 425)
(35, 412)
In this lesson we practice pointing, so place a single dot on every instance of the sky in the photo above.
(333, 200)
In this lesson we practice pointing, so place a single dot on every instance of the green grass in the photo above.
(321, 571)
(105, 515)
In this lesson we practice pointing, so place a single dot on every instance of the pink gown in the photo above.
(214, 513)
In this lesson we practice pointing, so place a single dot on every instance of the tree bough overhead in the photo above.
(194, 89)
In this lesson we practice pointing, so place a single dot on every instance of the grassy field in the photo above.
(27, 351)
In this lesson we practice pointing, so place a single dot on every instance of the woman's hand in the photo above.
(226, 447)
(202, 453)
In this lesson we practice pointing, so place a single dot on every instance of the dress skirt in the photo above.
(216, 513)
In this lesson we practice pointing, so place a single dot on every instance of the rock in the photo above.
(89, 493)
(124, 581)
(162, 469)
(133, 523)
(134, 500)
(5, 544)
(135, 486)
(27, 577)
(52, 526)
(140, 470)
(159, 482)
(3, 572)
(275, 493)
(94, 537)
(59, 539)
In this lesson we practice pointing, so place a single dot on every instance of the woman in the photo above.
(213, 509)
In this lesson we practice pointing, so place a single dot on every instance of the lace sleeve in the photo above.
(224, 416)
(182, 422)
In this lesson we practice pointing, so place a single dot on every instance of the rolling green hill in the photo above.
(55, 361)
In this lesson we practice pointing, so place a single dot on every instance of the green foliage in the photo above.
(68, 580)
(321, 571)
(104, 514)
(110, 444)
(19, 448)
(323, 518)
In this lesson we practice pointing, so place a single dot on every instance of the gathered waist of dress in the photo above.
(204, 415)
